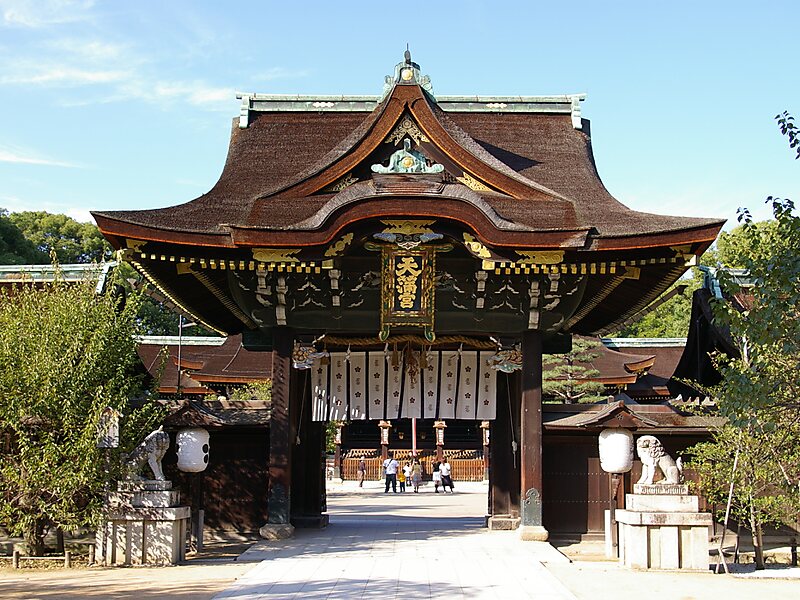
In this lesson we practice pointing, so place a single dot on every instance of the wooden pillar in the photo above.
(438, 428)
(280, 439)
(308, 458)
(337, 453)
(531, 438)
(385, 427)
(485, 442)
(504, 478)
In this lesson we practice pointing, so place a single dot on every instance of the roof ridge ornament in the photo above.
(407, 160)
(406, 73)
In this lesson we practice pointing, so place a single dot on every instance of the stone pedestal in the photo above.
(144, 525)
(662, 528)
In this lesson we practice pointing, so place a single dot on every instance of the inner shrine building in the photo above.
(408, 256)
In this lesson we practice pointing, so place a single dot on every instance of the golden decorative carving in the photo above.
(135, 245)
(472, 183)
(268, 255)
(408, 226)
(341, 183)
(406, 127)
(338, 247)
(476, 247)
(540, 257)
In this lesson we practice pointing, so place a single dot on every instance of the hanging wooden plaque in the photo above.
(407, 289)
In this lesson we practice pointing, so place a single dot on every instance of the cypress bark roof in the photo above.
(539, 168)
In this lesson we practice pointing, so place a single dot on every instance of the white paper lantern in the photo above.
(192, 449)
(616, 450)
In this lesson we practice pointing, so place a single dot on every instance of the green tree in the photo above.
(65, 355)
(759, 392)
(15, 248)
(568, 376)
(766, 456)
(73, 242)
(670, 319)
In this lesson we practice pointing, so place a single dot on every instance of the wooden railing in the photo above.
(463, 469)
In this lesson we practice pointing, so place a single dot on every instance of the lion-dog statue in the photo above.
(653, 456)
(150, 452)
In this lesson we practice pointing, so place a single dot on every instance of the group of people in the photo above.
(410, 474)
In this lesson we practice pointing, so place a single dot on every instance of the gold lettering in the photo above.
(407, 273)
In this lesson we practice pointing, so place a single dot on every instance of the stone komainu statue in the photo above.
(150, 452)
(653, 456)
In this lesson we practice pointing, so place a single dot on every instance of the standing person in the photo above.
(407, 472)
(447, 480)
(437, 476)
(401, 479)
(416, 475)
(362, 471)
(390, 466)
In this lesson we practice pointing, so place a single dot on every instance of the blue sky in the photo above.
(128, 105)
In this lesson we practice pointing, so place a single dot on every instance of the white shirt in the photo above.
(390, 465)
(444, 468)
(407, 471)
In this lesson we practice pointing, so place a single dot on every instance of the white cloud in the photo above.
(17, 204)
(61, 75)
(279, 73)
(41, 13)
(197, 93)
(17, 156)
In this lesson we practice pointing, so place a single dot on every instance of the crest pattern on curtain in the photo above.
(379, 385)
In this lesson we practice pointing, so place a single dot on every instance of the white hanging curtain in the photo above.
(377, 385)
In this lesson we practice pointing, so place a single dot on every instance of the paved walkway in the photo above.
(402, 546)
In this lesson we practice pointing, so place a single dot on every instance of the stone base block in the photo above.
(272, 531)
(662, 540)
(139, 499)
(133, 541)
(673, 489)
(144, 485)
(533, 533)
(503, 523)
(662, 503)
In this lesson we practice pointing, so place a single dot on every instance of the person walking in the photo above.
(437, 476)
(362, 471)
(416, 475)
(390, 467)
(447, 480)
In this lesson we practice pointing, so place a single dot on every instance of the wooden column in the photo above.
(308, 458)
(531, 438)
(280, 438)
(504, 478)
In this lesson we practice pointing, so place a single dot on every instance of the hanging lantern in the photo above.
(192, 449)
(616, 450)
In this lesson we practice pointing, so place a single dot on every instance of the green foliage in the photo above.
(65, 355)
(568, 377)
(766, 472)
(71, 241)
(15, 248)
(670, 319)
(767, 334)
(258, 391)
(736, 247)
(759, 390)
(790, 130)
(331, 428)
